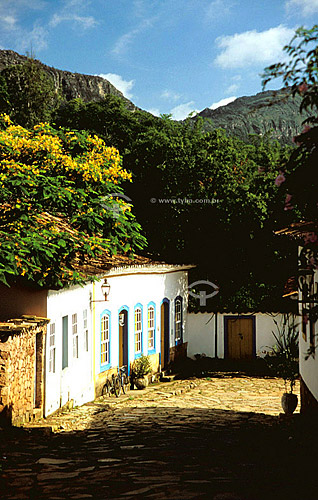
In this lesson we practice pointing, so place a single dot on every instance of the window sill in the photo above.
(104, 368)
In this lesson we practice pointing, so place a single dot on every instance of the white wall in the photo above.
(201, 333)
(309, 368)
(139, 289)
(76, 380)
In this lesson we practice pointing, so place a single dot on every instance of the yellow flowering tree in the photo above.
(61, 203)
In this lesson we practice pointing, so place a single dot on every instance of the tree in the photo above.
(201, 197)
(30, 95)
(59, 205)
(299, 178)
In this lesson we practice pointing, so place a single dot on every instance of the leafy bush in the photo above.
(283, 358)
(141, 366)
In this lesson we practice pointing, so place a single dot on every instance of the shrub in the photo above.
(141, 366)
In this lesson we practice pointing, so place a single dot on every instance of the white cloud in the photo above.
(72, 12)
(124, 86)
(154, 111)
(183, 110)
(252, 47)
(8, 21)
(125, 40)
(35, 39)
(170, 95)
(223, 102)
(232, 88)
(85, 21)
(217, 9)
(304, 7)
(12, 32)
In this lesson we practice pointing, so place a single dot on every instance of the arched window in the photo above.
(151, 327)
(105, 340)
(138, 330)
(178, 319)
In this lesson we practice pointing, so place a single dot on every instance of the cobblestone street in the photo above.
(219, 438)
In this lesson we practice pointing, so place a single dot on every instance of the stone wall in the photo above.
(22, 374)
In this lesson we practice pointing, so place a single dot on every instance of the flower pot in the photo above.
(289, 402)
(141, 383)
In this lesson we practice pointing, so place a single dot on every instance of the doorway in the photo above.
(165, 335)
(123, 337)
(240, 337)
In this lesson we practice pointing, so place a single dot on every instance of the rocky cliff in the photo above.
(270, 111)
(70, 85)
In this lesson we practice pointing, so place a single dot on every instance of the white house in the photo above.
(88, 337)
(230, 335)
(308, 309)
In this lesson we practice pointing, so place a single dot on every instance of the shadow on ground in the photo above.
(164, 453)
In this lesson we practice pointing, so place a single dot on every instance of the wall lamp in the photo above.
(105, 287)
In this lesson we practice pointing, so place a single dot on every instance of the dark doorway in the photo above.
(165, 334)
(123, 338)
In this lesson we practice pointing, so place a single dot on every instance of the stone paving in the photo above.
(220, 438)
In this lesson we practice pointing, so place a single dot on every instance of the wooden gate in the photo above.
(240, 337)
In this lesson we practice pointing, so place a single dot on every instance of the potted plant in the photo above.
(283, 360)
(141, 368)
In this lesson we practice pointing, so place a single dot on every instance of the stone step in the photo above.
(166, 378)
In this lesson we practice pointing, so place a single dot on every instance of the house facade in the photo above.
(89, 337)
(308, 361)
(304, 235)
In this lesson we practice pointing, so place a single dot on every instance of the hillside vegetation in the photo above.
(199, 195)
(274, 113)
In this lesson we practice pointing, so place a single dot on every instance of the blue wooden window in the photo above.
(178, 319)
(52, 348)
(75, 335)
(151, 326)
(138, 329)
(105, 340)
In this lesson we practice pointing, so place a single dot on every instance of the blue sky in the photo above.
(167, 56)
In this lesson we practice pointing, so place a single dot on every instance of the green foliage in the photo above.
(57, 210)
(141, 366)
(300, 72)
(272, 113)
(228, 235)
(27, 93)
(283, 358)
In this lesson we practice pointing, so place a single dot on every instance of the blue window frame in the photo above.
(138, 328)
(178, 333)
(151, 327)
(105, 334)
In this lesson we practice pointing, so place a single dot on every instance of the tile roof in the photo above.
(104, 262)
(297, 230)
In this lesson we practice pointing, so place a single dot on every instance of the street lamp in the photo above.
(105, 288)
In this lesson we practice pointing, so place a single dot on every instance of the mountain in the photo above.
(274, 112)
(69, 85)
(267, 112)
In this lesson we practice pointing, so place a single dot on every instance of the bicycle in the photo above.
(123, 378)
(117, 383)
(112, 386)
